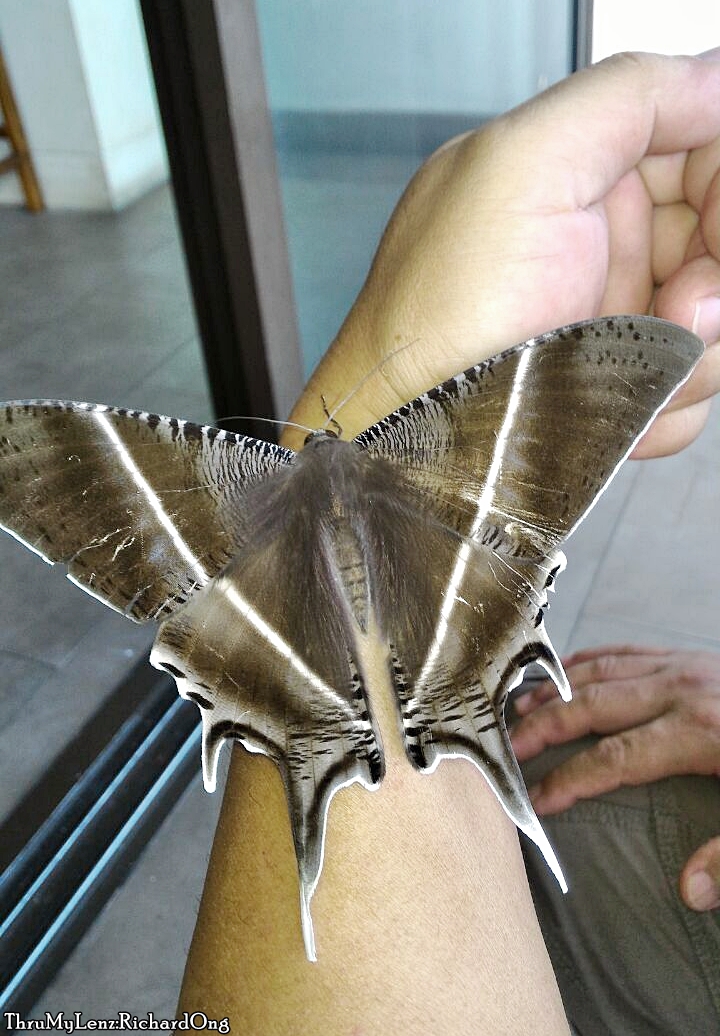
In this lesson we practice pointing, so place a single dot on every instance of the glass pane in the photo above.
(95, 307)
(361, 92)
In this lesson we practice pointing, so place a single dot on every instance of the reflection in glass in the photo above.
(361, 93)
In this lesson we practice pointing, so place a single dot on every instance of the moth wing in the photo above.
(491, 472)
(266, 650)
(530, 438)
(142, 509)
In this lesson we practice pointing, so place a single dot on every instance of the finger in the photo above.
(674, 235)
(702, 190)
(607, 708)
(587, 654)
(683, 191)
(629, 213)
(664, 177)
(691, 297)
(528, 701)
(700, 879)
(613, 135)
(672, 432)
(611, 668)
(638, 756)
(593, 666)
(685, 177)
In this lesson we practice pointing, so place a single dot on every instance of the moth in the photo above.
(442, 525)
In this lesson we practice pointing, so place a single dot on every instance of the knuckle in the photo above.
(691, 680)
(629, 61)
(538, 723)
(614, 751)
(604, 668)
(592, 697)
(698, 702)
(547, 725)
(707, 713)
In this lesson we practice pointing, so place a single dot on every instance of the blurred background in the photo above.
(204, 183)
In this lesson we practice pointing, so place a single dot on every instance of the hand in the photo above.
(700, 879)
(658, 713)
(600, 196)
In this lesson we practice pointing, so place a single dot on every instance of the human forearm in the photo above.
(423, 916)
(601, 196)
(423, 913)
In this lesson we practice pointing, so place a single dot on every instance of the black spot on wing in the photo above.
(199, 700)
(192, 431)
(173, 670)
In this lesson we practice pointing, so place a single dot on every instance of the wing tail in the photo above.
(274, 670)
(461, 631)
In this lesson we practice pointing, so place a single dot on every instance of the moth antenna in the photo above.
(330, 418)
(268, 420)
(370, 374)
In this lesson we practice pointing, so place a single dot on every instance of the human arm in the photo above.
(657, 713)
(600, 196)
(423, 912)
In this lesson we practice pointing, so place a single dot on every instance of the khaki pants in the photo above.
(630, 958)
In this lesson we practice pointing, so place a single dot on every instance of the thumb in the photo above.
(700, 879)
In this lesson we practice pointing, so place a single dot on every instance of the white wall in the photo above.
(113, 52)
(80, 73)
(661, 26)
(411, 55)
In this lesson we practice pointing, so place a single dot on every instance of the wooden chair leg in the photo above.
(19, 159)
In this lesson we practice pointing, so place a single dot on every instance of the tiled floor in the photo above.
(98, 307)
(94, 308)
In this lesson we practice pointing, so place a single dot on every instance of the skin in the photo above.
(600, 196)
(658, 713)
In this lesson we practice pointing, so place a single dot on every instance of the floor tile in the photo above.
(56, 708)
(96, 307)
(177, 387)
(43, 614)
(133, 957)
(597, 630)
(662, 568)
(111, 340)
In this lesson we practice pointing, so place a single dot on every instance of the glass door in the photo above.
(360, 92)
(292, 129)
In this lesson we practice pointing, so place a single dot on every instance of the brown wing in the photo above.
(492, 471)
(141, 508)
(529, 439)
(266, 650)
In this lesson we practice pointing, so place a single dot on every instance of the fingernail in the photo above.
(702, 891)
(706, 319)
